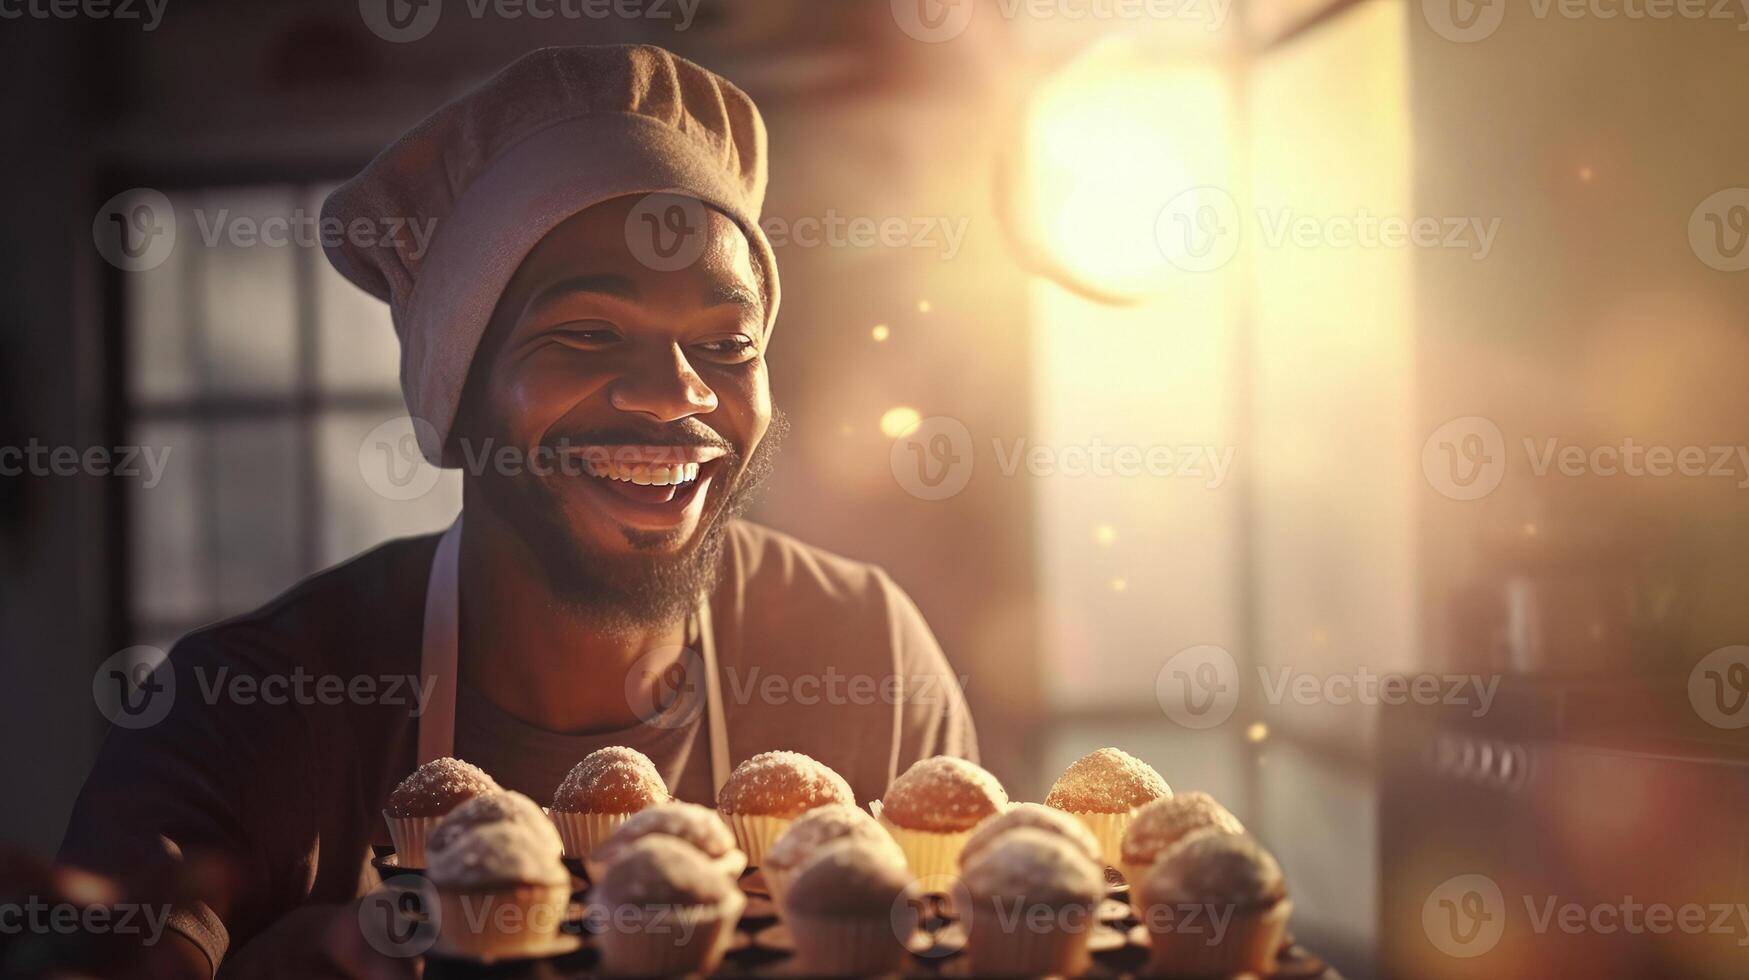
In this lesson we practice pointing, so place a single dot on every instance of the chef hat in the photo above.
(559, 130)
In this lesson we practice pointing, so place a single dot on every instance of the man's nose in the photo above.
(663, 386)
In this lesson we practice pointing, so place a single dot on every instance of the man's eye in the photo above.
(591, 337)
(734, 348)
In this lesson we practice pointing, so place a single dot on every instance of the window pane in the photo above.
(248, 289)
(355, 515)
(257, 511)
(168, 563)
(356, 345)
(161, 360)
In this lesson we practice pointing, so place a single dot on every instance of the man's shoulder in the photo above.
(768, 563)
(364, 611)
(797, 596)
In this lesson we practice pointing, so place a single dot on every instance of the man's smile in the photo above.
(649, 487)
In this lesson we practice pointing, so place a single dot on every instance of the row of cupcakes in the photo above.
(937, 830)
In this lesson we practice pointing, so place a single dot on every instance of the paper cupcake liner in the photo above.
(1019, 951)
(755, 832)
(580, 832)
(408, 835)
(1108, 829)
(1250, 945)
(933, 856)
(841, 946)
(499, 923)
(670, 950)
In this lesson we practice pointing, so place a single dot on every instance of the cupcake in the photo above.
(600, 793)
(1103, 788)
(499, 806)
(427, 796)
(851, 908)
(1034, 898)
(663, 909)
(694, 824)
(501, 892)
(1159, 825)
(1036, 816)
(765, 793)
(933, 806)
(1208, 877)
(812, 832)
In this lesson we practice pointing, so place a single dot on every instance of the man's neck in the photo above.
(525, 650)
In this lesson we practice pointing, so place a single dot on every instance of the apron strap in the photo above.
(713, 692)
(441, 640)
(437, 657)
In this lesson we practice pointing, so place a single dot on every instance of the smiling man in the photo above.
(585, 338)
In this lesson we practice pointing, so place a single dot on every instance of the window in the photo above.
(260, 372)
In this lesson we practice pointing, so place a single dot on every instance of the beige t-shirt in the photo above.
(277, 801)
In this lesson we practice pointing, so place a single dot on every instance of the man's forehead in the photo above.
(599, 241)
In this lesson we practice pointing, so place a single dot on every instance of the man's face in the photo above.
(645, 394)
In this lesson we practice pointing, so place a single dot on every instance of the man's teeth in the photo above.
(646, 474)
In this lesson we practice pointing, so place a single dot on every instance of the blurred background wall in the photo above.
(1128, 276)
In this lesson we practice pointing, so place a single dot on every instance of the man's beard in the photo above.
(621, 594)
